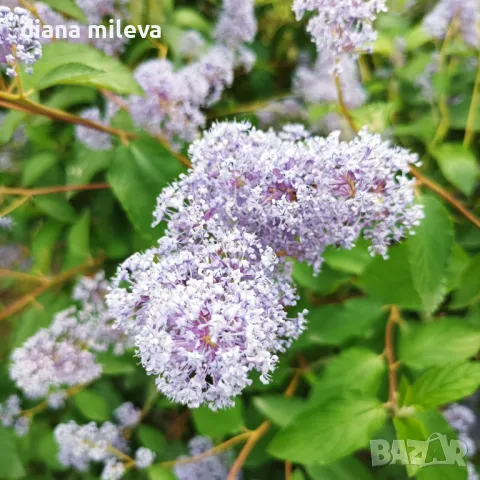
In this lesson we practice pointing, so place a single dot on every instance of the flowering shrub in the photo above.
(244, 250)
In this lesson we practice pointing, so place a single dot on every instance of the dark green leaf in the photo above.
(347, 469)
(278, 408)
(56, 206)
(220, 423)
(92, 405)
(469, 290)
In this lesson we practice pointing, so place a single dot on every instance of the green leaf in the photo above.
(43, 246)
(390, 281)
(113, 365)
(330, 431)
(429, 253)
(157, 472)
(469, 290)
(350, 261)
(325, 282)
(278, 408)
(78, 242)
(69, 7)
(191, 19)
(85, 164)
(356, 369)
(55, 206)
(92, 405)
(111, 73)
(9, 125)
(220, 423)
(9, 459)
(298, 475)
(36, 166)
(458, 263)
(347, 469)
(443, 341)
(72, 74)
(137, 175)
(441, 385)
(458, 165)
(152, 438)
(334, 325)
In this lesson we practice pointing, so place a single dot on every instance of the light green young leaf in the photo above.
(72, 74)
(347, 469)
(330, 431)
(469, 290)
(356, 369)
(111, 73)
(9, 457)
(278, 408)
(441, 342)
(390, 281)
(441, 385)
(458, 165)
(78, 242)
(429, 253)
(220, 423)
(56, 206)
(92, 405)
(325, 282)
(37, 166)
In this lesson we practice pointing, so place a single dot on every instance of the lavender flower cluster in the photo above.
(465, 12)
(19, 43)
(215, 467)
(206, 307)
(81, 444)
(317, 84)
(463, 420)
(341, 26)
(62, 356)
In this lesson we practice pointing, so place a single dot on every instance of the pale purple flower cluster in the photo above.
(281, 112)
(300, 195)
(6, 223)
(11, 415)
(192, 44)
(173, 101)
(214, 467)
(127, 415)
(465, 12)
(341, 26)
(60, 356)
(317, 84)
(81, 444)
(237, 23)
(96, 11)
(19, 43)
(463, 420)
(94, 139)
(205, 308)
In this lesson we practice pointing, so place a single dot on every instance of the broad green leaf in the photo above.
(298, 475)
(330, 431)
(458, 263)
(190, 19)
(37, 166)
(325, 282)
(72, 74)
(78, 242)
(355, 369)
(429, 253)
(85, 164)
(441, 385)
(112, 74)
(350, 261)
(43, 246)
(157, 472)
(458, 165)
(152, 438)
(55, 206)
(469, 290)
(114, 365)
(137, 175)
(390, 281)
(66, 97)
(416, 37)
(347, 469)
(278, 408)
(9, 125)
(220, 423)
(334, 325)
(438, 343)
(11, 465)
(92, 405)
(69, 7)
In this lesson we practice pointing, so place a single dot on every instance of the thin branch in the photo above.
(31, 297)
(472, 114)
(16, 204)
(33, 192)
(343, 107)
(4, 273)
(430, 184)
(288, 470)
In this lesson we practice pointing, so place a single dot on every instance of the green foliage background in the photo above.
(342, 398)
